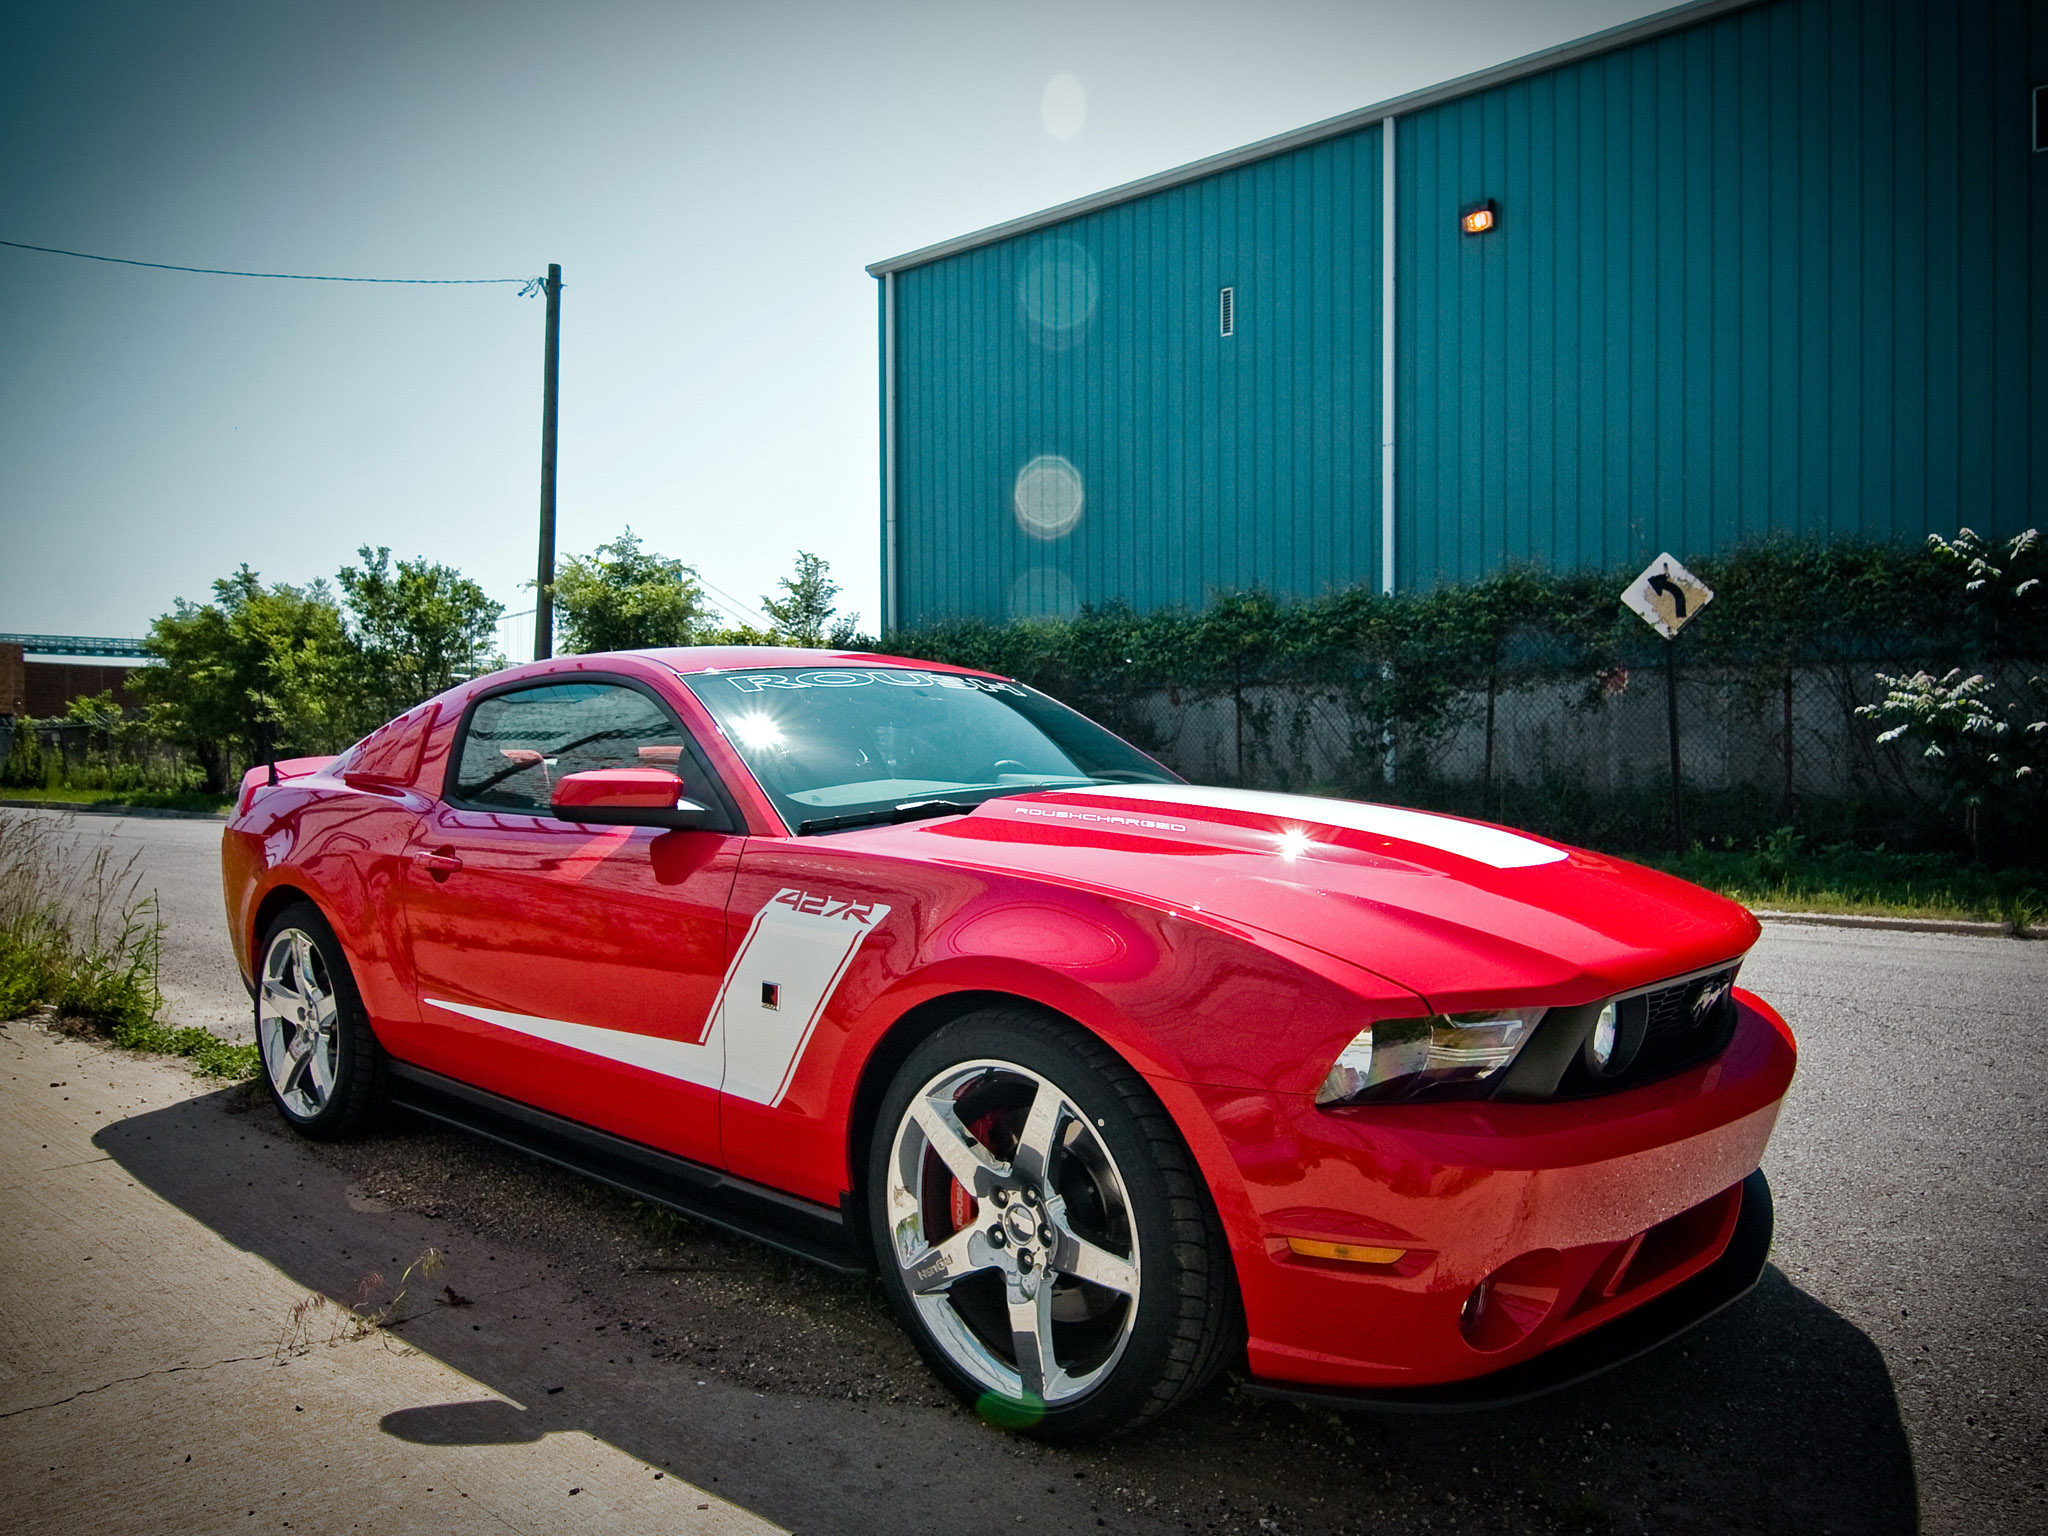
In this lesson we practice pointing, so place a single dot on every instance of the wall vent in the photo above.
(2041, 119)
(1226, 312)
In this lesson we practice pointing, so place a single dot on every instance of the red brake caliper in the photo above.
(960, 1204)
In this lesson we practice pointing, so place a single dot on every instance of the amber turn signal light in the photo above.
(1348, 1253)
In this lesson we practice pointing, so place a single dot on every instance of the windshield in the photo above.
(845, 745)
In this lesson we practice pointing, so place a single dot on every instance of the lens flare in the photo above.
(1063, 106)
(1044, 593)
(1048, 496)
(1058, 288)
(757, 731)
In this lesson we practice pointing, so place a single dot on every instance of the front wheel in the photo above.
(1041, 1230)
(321, 1062)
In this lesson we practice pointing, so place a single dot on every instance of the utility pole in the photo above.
(544, 577)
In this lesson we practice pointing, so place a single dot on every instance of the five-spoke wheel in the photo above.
(320, 1060)
(1040, 1230)
(298, 1023)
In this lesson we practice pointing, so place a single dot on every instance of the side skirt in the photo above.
(810, 1231)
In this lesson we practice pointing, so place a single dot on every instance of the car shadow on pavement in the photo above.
(1777, 1415)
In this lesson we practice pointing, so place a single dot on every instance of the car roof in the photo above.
(734, 658)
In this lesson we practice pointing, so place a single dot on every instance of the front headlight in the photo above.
(1441, 1056)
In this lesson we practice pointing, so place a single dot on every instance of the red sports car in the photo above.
(1113, 1078)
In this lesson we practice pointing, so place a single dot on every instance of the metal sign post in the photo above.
(1667, 597)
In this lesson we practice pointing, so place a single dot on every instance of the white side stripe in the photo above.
(702, 1064)
(799, 943)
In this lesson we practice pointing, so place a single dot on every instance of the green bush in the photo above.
(1408, 667)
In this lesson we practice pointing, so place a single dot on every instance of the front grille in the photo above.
(1678, 1026)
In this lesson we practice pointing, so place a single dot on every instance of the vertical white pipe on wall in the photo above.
(1386, 354)
(1387, 762)
(889, 594)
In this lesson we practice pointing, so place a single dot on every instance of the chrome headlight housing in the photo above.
(1458, 1055)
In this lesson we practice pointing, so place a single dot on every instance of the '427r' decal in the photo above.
(799, 947)
(864, 912)
(796, 951)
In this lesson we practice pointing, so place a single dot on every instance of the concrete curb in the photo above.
(114, 810)
(1900, 924)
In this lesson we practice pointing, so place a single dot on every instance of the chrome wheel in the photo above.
(298, 1023)
(1014, 1232)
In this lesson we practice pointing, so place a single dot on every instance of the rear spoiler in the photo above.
(263, 775)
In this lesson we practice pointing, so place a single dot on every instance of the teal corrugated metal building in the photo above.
(1757, 268)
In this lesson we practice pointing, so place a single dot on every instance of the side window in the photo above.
(518, 745)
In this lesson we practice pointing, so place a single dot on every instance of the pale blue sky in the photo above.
(712, 178)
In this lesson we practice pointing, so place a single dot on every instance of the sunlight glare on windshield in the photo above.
(758, 731)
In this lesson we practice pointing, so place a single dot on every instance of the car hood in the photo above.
(1467, 914)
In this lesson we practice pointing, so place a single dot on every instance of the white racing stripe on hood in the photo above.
(1487, 845)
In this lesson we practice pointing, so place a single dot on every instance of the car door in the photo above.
(574, 967)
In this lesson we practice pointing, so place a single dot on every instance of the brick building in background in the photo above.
(39, 677)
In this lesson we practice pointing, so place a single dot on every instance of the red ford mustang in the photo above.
(1114, 1079)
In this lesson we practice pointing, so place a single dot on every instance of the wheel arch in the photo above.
(284, 893)
(892, 1048)
(1220, 1176)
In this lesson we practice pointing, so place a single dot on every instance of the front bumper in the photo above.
(1589, 1230)
(1653, 1324)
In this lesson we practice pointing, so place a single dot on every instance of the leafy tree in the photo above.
(420, 628)
(1986, 752)
(258, 668)
(738, 634)
(2002, 584)
(805, 614)
(96, 711)
(622, 598)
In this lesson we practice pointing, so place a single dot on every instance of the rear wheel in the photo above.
(321, 1062)
(1042, 1232)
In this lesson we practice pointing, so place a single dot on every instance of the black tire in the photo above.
(1122, 1183)
(337, 1086)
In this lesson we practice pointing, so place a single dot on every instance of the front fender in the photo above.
(346, 854)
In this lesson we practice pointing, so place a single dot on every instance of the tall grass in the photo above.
(81, 936)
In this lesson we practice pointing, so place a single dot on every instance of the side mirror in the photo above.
(626, 797)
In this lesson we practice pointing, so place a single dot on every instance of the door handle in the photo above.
(441, 863)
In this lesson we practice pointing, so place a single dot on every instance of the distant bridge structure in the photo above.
(77, 645)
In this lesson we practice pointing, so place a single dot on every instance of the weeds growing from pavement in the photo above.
(82, 938)
(360, 1316)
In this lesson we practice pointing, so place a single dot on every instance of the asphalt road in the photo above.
(1886, 1377)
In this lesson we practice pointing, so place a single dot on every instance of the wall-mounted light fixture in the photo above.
(1479, 218)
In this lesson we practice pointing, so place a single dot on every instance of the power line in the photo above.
(296, 277)
(727, 608)
(745, 613)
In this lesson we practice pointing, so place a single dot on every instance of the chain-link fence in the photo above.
(1536, 699)
(1586, 757)
(62, 754)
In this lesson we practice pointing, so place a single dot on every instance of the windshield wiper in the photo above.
(909, 810)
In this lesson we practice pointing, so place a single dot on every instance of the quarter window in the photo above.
(520, 745)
